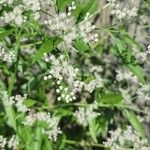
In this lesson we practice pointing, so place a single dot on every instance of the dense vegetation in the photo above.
(74, 74)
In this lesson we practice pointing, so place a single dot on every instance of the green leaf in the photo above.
(61, 112)
(129, 60)
(11, 116)
(27, 136)
(46, 47)
(4, 33)
(61, 4)
(38, 139)
(137, 70)
(81, 46)
(134, 122)
(82, 8)
(96, 127)
(93, 130)
(47, 144)
(29, 102)
(99, 48)
(2, 85)
(12, 81)
(131, 41)
(91, 7)
(111, 98)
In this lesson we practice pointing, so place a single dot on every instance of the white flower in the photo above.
(7, 101)
(14, 16)
(29, 120)
(85, 115)
(61, 69)
(148, 51)
(86, 31)
(122, 10)
(119, 138)
(60, 23)
(52, 129)
(33, 5)
(143, 93)
(13, 142)
(124, 74)
(126, 96)
(6, 2)
(92, 85)
(3, 142)
(19, 103)
(7, 56)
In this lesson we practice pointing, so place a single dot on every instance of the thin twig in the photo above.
(51, 107)
(30, 44)
(46, 13)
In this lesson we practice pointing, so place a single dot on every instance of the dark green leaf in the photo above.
(129, 60)
(29, 102)
(93, 130)
(134, 122)
(81, 46)
(111, 98)
(46, 47)
(61, 4)
(136, 70)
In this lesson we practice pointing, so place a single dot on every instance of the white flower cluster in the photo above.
(64, 24)
(142, 57)
(126, 96)
(71, 8)
(33, 5)
(17, 14)
(126, 139)
(126, 75)
(96, 83)
(3, 142)
(148, 51)
(9, 2)
(11, 143)
(86, 31)
(17, 101)
(7, 56)
(14, 16)
(52, 129)
(85, 115)
(143, 93)
(121, 11)
(60, 23)
(62, 70)
(65, 94)
(7, 101)
(143, 100)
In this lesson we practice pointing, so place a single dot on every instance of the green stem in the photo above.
(84, 143)
(53, 107)
(136, 110)
(38, 139)
(95, 13)
(9, 109)
(30, 44)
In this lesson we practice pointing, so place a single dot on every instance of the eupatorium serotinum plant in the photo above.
(74, 75)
